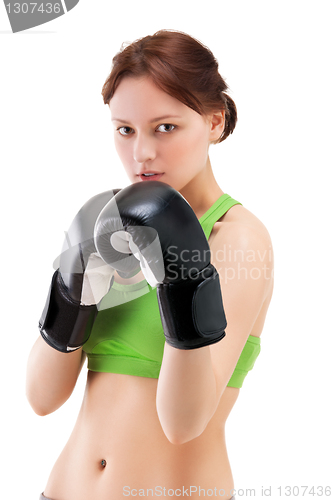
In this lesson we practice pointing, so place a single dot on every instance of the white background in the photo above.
(56, 152)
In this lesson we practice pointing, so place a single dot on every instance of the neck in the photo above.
(202, 191)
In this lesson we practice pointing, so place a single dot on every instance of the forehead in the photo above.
(140, 98)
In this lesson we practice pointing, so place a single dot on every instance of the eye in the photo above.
(125, 130)
(166, 127)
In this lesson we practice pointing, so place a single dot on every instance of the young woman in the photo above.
(153, 416)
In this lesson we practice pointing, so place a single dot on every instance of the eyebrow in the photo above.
(157, 119)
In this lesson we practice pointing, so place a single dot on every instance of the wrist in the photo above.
(192, 311)
(65, 324)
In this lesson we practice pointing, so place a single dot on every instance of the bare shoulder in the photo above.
(238, 222)
(242, 250)
(242, 253)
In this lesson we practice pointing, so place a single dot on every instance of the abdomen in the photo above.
(118, 446)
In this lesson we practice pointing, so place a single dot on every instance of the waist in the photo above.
(128, 400)
(118, 443)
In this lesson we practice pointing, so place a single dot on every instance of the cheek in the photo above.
(123, 151)
(192, 147)
(118, 146)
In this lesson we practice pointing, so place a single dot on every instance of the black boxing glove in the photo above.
(79, 283)
(158, 227)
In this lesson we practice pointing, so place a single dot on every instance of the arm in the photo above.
(156, 217)
(51, 376)
(71, 306)
(191, 383)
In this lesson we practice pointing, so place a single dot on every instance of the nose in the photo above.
(144, 149)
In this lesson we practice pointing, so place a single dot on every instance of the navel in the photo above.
(103, 463)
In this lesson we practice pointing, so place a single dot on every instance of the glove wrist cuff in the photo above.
(65, 324)
(192, 311)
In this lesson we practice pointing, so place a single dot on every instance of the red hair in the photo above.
(180, 66)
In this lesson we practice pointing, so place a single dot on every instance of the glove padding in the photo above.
(160, 227)
(79, 284)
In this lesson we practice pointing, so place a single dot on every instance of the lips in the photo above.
(150, 176)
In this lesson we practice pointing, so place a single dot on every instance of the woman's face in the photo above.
(157, 137)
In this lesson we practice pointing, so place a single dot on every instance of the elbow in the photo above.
(40, 405)
(42, 410)
(184, 426)
(178, 439)
(38, 408)
(182, 434)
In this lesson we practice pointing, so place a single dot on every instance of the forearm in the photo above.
(186, 393)
(51, 376)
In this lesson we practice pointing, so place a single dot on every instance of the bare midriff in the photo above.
(118, 448)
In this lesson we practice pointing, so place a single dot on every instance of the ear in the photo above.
(217, 123)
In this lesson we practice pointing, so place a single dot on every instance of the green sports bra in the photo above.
(127, 336)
